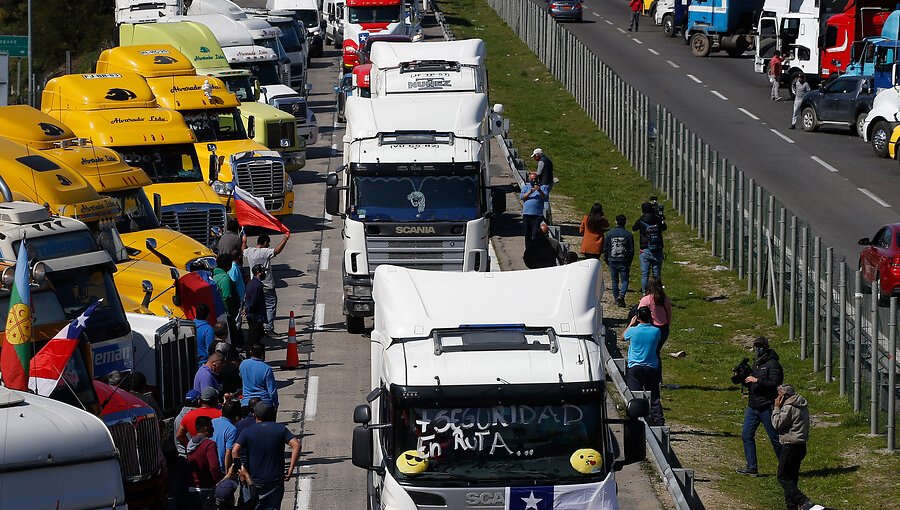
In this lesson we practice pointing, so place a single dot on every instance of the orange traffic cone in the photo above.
(292, 359)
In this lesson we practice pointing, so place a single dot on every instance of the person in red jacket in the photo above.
(636, 7)
(203, 458)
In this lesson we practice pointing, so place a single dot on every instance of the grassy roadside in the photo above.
(714, 320)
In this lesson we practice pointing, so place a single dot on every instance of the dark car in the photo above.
(342, 91)
(844, 102)
(879, 261)
(565, 9)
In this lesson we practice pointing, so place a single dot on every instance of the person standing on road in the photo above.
(775, 70)
(206, 335)
(228, 292)
(791, 420)
(255, 306)
(636, 7)
(207, 375)
(225, 432)
(263, 255)
(618, 251)
(643, 361)
(801, 88)
(544, 169)
(651, 226)
(660, 309)
(203, 461)
(230, 242)
(763, 388)
(593, 225)
(258, 378)
(264, 444)
(534, 196)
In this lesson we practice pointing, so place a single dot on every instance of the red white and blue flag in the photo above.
(590, 496)
(48, 365)
(251, 210)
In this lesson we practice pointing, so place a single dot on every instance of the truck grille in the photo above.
(277, 131)
(443, 253)
(138, 443)
(294, 106)
(195, 221)
(263, 178)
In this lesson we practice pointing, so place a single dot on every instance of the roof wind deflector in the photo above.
(499, 338)
(429, 65)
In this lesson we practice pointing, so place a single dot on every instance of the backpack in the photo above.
(654, 236)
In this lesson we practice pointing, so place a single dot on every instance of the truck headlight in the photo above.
(288, 184)
(222, 188)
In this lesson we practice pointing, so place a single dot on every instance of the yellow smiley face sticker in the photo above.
(412, 463)
(586, 461)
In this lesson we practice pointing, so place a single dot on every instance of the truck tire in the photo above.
(668, 24)
(857, 128)
(881, 134)
(355, 325)
(700, 45)
(808, 119)
(652, 10)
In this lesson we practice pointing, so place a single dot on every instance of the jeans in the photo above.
(270, 495)
(789, 473)
(532, 227)
(752, 419)
(635, 20)
(644, 378)
(651, 260)
(618, 272)
(271, 303)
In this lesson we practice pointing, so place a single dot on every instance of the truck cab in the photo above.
(293, 40)
(501, 395)
(362, 18)
(415, 190)
(119, 111)
(288, 100)
(308, 13)
(714, 25)
(144, 11)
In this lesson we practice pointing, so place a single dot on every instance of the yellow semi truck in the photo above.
(119, 111)
(273, 128)
(211, 111)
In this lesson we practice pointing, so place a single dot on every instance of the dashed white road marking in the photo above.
(621, 30)
(595, 14)
(747, 113)
(826, 165)
(696, 80)
(874, 197)
(319, 317)
(304, 489)
(782, 136)
(673, 64)
(323, 259)
(719, 95)
(608, 22)
(312, 399)
(651, 50)
(637, 41)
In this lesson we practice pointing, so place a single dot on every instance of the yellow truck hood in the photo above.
(172, 248)
(122, 127)
(174, 193)
(130, 275)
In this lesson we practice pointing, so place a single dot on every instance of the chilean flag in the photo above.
(49, 364)
(251, 210)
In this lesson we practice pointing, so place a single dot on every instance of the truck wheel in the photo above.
(808, 120)
(860, 120)
(700, 45)
(880, 134)
(355, 325)
(668, 23)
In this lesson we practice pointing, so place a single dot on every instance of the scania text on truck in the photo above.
(363, 18)
(416, 190)
(485, 390)
(119, 111)
(270, 127)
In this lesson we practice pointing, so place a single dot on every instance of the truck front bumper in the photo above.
(358, 300)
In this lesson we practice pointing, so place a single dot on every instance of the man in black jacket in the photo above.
(763, 385)
(255, 305)
(651, 226)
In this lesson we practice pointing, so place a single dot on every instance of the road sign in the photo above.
(14, 45)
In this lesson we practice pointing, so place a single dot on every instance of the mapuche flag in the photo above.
(15, 354)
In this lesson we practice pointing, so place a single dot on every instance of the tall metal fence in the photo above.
(831, 312)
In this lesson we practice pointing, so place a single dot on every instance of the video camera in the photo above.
(657, 207)
(741, 371)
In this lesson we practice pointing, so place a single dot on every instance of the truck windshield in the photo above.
(290, 36)
(165, 163)
(45, 306)
(375, 14)
(75, 387)
(309, 18)
(215, 125)
(80, 287)
(498, 443)
(137, 213)
(266, 72)
(240, 86)
(415, 198)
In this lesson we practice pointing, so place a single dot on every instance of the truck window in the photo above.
(137, 213)
(831, 35)
(60, 245)
(266, 72)
(415, 198)
(379, 14)
(241, 87)
(81, 287)
(215, 125)
(75, 387)
(289, 36)
(165, 163)
(841, 86)
(309, 18)
(45, 309)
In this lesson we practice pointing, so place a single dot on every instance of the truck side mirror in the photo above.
(333, 201)
(147, 287)
(150, 243)
(157, 206)
(213, 168)
(635, 443)
(256, 88)
(361, 448)
(362, 414)
(637, 408)
(331, 179)
(498, 201)
(251, 127)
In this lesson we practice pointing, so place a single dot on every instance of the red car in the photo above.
(880, 261)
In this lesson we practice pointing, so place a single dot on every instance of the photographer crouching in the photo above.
(762, 381)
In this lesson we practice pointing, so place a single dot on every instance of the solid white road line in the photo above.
(747, 113)
(493, 255)
(673, 64)
(327, 217)
(874, 197)
(719, 95)
(323, 259)
(621, 30)
(608, 22)
(786, 139)
(651, 50)
(304, 489)
(637, 41)
(312, 399)
(826, 165)
(319, 317)
(696, 80)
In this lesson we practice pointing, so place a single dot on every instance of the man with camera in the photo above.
(762, 380)
(534, 196)
(650, 225)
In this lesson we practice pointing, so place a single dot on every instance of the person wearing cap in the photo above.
(255, 305)
(544, 168)
(209, 406)
(203, 461)
(263, 444)
(208, 373)
(258, 378)
(534, 196)
(643, 361)
(762, 390)
(191, 402)
(235, 492)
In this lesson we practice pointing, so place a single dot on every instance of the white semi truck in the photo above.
(486, 389)
(416, 190)
(446, 66)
